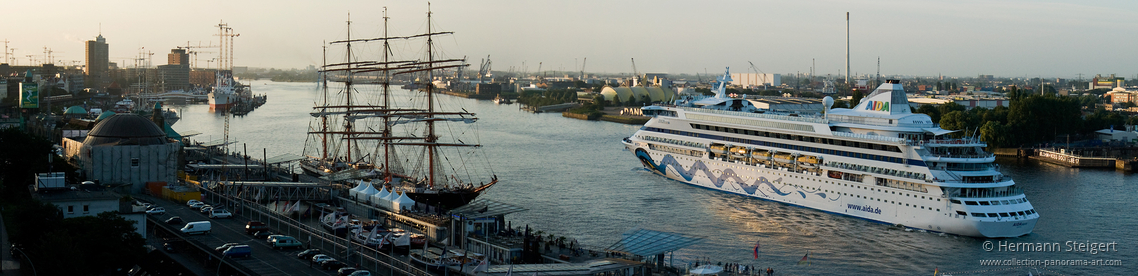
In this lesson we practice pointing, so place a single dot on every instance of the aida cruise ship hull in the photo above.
(871, 162)
(821, 193)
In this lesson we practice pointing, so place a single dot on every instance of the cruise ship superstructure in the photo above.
(877, 161)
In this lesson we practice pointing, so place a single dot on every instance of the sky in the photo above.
(961, 38)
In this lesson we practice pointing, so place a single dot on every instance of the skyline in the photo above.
(914, 38)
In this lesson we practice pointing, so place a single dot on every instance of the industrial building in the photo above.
(755, 79)
(125, 149)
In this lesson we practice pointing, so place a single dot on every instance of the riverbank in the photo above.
(609, 115)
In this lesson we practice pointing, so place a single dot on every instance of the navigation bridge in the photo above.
(266, 191)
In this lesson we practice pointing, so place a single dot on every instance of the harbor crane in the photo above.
(583, 68)
(484, 69)
(762, 74)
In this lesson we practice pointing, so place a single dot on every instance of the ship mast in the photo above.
(431, 139)
(386, 99)
(348, 89)
(324, 118)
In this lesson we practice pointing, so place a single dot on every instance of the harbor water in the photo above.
(576, 181)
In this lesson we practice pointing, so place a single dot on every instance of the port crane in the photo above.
(762, 74)
(583, 68)
(484, 69)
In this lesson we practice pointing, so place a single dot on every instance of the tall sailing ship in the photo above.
(877, 161)
(409, 146)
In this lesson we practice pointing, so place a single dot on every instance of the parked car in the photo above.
(219, 213)
(360, 273)
(192, 202)
(175, 220)
(320, 258)
(156, 211)
(197, 227)
(285, 242)
(223, 247)
(332, 264)
(238, 251)
(169, 247)
(197, 205)
(271, 238)
(252, 227)
(307, 254)
(345, 271)
(263, 234)
(206, 209)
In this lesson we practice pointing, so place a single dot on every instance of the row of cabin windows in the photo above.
(792, 137)
(994, 202)
(998, 215)
(675, 150)
(673, 141)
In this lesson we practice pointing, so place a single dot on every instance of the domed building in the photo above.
(653, 94)
(125, 149)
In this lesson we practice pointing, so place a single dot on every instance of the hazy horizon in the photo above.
(916, 38)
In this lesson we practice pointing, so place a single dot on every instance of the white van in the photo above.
(197, 227)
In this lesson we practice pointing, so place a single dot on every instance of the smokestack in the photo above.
(847, 47)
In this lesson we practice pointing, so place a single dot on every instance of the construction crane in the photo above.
(583, 68)
(539, 68)
(762, 74)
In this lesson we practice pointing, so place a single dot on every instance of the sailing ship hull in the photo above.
(444, 199)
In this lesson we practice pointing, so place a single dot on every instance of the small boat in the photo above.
(499, 100)
(426, 257)
(413, 240)
(374, 238)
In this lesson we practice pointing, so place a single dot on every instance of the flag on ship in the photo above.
(482, 266)
(805, 259)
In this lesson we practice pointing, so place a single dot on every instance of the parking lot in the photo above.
(264, 261)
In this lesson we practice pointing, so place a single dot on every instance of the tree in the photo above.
(955, 120)
(856, 98)
(930, 110)
(995, 134)
(616, 100)
(840, 104)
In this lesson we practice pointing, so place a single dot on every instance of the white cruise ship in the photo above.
(877, 161)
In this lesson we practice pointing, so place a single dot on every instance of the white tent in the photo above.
(354, 192)
(366, 193)
(707, 270)
(380, 199)
(387, 200)
(402, 203)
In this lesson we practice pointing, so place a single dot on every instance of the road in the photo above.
(265, 259)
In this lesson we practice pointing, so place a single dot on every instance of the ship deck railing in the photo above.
(755, 115)
(870, 137)
(958, 141)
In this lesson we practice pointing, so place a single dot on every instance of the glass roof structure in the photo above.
(644, 242)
